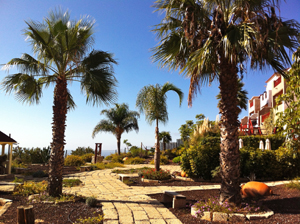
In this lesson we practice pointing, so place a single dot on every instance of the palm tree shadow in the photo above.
(284, 205)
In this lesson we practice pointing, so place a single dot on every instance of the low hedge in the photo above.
(72, 160)
(199, 160)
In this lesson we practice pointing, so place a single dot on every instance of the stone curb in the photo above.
(224, 217)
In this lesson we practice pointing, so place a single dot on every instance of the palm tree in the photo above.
(128, 144)
(62, 54)
(151, 101)
(119, 120)
(165, 137)
(214, 40)
(241, 96)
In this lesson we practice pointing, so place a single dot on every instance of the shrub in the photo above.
(71, 182)
(90, 220)
(30, 187)
(136, 160)
(163, 160)
(87, 157)
(40, 173)
(200, 160)
(135, 151)
(294, 184)
(155, 175)
(80, 151)
(33, 155)
(176, 159)
(72, 160)
(91, 201)
(115, 158)
(169, 153)
(102, 166)
(213, 205)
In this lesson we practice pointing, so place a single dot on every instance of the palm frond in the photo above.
(98, 81)
(26, 87)
(103, 126)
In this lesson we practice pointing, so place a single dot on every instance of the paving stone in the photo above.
(142, 222)
(111, 222)
(157, 221)
(110, 214)
(140, 215)
(124, 219)
(173, 221)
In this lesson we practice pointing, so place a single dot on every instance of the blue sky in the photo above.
(123, 27)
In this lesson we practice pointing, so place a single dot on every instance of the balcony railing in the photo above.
(277, 82)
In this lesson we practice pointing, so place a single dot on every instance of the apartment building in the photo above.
(259, 106)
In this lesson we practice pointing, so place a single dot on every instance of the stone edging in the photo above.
(6, 204)
(221, 217)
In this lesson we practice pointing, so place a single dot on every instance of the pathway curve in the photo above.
(123, 204)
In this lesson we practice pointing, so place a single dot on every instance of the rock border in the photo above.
(224, 217)
(6, 203)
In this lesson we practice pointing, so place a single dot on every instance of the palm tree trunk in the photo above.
(119, 144)
(56, 163)
(157, 150)
(229, 156)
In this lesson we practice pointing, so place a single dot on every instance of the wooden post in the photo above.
(25, 215)
(98, 146)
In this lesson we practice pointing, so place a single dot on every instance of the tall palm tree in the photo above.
(62, 48)
(241, 96)
(119, 120)
(152, 101)
(214, 40)
(165, 137)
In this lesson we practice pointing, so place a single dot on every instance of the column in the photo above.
(10, 157)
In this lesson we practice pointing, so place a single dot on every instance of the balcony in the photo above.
(265, 116)
(277, 81)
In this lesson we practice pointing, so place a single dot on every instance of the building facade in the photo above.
(259, 106)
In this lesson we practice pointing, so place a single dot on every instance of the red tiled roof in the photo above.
(5, 138)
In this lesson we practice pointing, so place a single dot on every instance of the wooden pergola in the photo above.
(6, 140)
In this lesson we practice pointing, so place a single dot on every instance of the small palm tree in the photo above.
(119, 120)
(128, 144)
(62, 47)
(165, 137)
(151, 101)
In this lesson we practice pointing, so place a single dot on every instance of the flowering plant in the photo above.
(155, 175)
(213, 205)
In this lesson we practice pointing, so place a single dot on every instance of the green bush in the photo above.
(253, 141)
(87, 157)
(163, 160)
(199, 161)
(136, 160)
(80, 151)
(72, 160)
(33, 155)
(30, 187)
(176, 159)
(155, 175)
(91, 201)
(115, 158)
(169, 153)
(71, 182)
